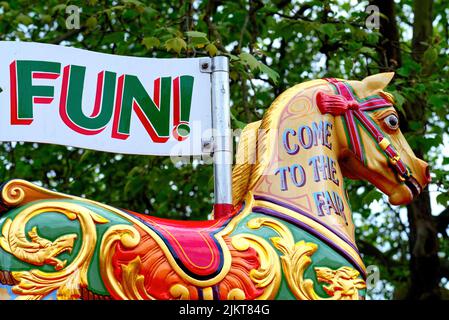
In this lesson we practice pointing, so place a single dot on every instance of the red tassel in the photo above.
(334, 104)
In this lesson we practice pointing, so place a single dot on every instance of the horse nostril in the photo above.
(428, 177)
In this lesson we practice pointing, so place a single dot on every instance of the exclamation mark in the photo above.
(182, 103)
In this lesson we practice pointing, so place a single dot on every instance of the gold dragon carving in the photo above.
(66, 279)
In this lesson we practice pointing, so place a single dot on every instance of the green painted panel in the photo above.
(325, 256)
(51, 225)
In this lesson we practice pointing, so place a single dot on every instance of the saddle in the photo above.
(193, 244)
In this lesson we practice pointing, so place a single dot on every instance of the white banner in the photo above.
(68, 96)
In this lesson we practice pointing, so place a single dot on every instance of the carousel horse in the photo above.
(289, 236)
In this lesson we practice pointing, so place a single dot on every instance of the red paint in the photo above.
(223, 210)
(13, 93)
(147, 124)
(157, 92)
(118, 107)
(193, 242)
(42, 100)
(176, 103)
(45, 75)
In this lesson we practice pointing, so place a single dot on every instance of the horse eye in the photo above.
(392, 121)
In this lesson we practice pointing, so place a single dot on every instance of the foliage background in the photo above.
(272, 45)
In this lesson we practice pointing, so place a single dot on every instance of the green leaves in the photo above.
(151, 42)
(196, 34)
(255, 65)
(399, 101)
(443, 199)
(371, 196)
(211, 49)
(272, 53)
(24, 19)
(327, 29)
(91, 22)
(175, 44)
(248, 59)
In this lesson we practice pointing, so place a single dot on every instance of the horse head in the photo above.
(372, 146)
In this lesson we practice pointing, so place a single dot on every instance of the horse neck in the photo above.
(302, 171)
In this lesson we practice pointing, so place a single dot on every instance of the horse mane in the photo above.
(256, 142)
(244, 160)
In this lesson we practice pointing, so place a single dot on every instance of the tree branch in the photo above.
(67, 35)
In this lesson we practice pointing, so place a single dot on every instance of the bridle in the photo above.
(346, 103)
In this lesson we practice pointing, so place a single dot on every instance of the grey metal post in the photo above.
(221, 122)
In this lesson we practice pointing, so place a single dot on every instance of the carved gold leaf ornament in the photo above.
(179, 291)
(268, 275)
(343, 283)
(67, 280)
(131, 286)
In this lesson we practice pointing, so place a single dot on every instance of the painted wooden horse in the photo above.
(290, 235)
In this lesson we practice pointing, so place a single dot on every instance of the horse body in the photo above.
(290, 236)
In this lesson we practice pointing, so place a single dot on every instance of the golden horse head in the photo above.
(362, 125)
(385, 158)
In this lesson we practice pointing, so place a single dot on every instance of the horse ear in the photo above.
(377, 82)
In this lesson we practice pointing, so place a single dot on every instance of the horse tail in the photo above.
(244, 160)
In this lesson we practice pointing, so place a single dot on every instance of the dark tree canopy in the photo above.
(272, 46)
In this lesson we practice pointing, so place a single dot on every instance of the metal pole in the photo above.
(221, 121)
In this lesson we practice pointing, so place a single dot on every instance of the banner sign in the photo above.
(68, 96)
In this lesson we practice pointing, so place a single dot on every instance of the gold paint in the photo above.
(68, 280)
(268, 275)
(129, 237)
(387, 96)
(133, 282)
(314, 225)
(19, 192)
(395, 159)
(244, 160)
(343, 283)
(236, 294)
(269, 126)
(179, 291)
(38, 251)
(296, 258)
(208, 294)
(384, 144)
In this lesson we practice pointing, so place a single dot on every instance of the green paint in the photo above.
(26, 91)
(135, 93)
(359, 125)
(75, 98)
(51, 225)
(186, 97)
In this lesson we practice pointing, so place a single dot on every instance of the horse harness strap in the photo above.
(347, 104)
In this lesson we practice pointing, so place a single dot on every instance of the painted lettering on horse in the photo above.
(318, 133)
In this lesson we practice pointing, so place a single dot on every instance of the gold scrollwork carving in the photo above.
(132, 285)
(343, 283)
(268, 275)
(179, 291)
(67, 280)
